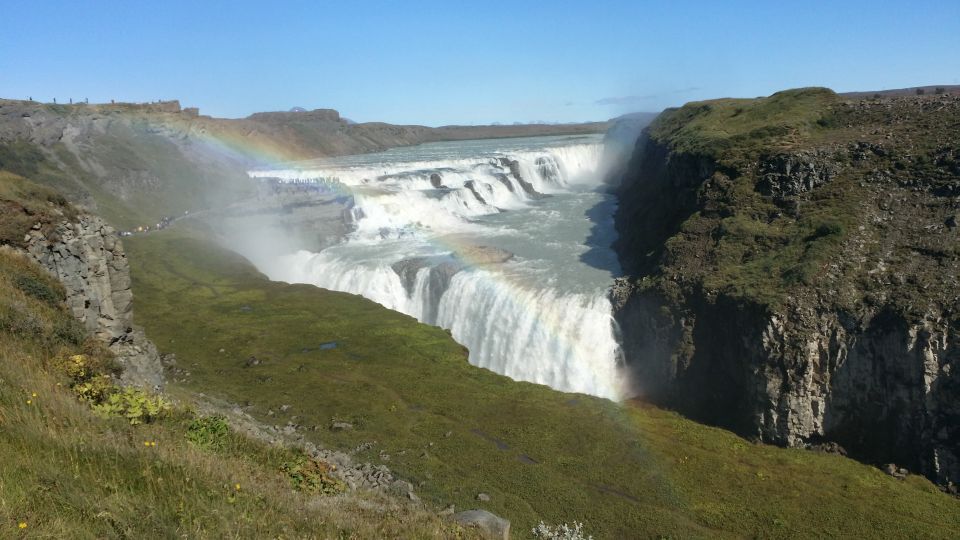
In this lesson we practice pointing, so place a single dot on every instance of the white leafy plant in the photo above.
(560, 532)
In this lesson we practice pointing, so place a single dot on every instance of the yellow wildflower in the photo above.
(29, 401)
(236, 487)
(146, 443)
(22, 525)
(34, 394)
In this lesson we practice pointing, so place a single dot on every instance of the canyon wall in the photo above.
(797, 282)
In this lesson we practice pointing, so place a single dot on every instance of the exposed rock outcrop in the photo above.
(880, 382)
(820, 310)
(87, 257)
(784, 175)
(353, 472)
(493, 526)
(514, 167)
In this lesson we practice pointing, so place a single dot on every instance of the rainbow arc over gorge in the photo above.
(520, 295)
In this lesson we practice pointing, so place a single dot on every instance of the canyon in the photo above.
(783, 267)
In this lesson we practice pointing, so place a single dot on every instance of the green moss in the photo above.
(455, 430)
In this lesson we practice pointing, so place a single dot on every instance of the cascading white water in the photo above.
(487, 239)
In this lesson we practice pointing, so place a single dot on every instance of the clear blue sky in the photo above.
(467, 62)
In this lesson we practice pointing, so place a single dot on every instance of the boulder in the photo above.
(490, 524)
(401, 487)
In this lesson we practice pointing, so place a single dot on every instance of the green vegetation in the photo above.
(139, 473)
(20, 157)
(759, 252)
(24, 204)
(455, 430)
(730, 128)
(209, 432)
(153, 469)
(308, 474)
(734, 238)
(137, 406)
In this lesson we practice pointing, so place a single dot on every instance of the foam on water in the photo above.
(423, 247)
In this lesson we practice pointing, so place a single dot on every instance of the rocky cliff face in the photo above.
(87, 257)
(801, 288)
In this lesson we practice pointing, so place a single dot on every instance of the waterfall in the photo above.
(474, 240)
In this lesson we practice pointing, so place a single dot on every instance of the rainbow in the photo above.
(518, 293)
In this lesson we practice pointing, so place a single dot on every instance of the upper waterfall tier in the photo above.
(506, 243)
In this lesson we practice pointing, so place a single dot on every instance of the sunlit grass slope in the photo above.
(455, 430)
(66, 472)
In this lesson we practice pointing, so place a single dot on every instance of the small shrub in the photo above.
(827, 121)
(87, 366)
(829, 228)
(100, 353)
(95, 389)
(19, 319)
(560, 532)
(311, 475)
(135, 405)
(41, 289)
(69, 330)
(208, 432)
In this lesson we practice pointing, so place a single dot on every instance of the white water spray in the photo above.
(433, 237)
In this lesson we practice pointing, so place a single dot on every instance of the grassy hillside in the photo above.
(71, 472)
(456, 431)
